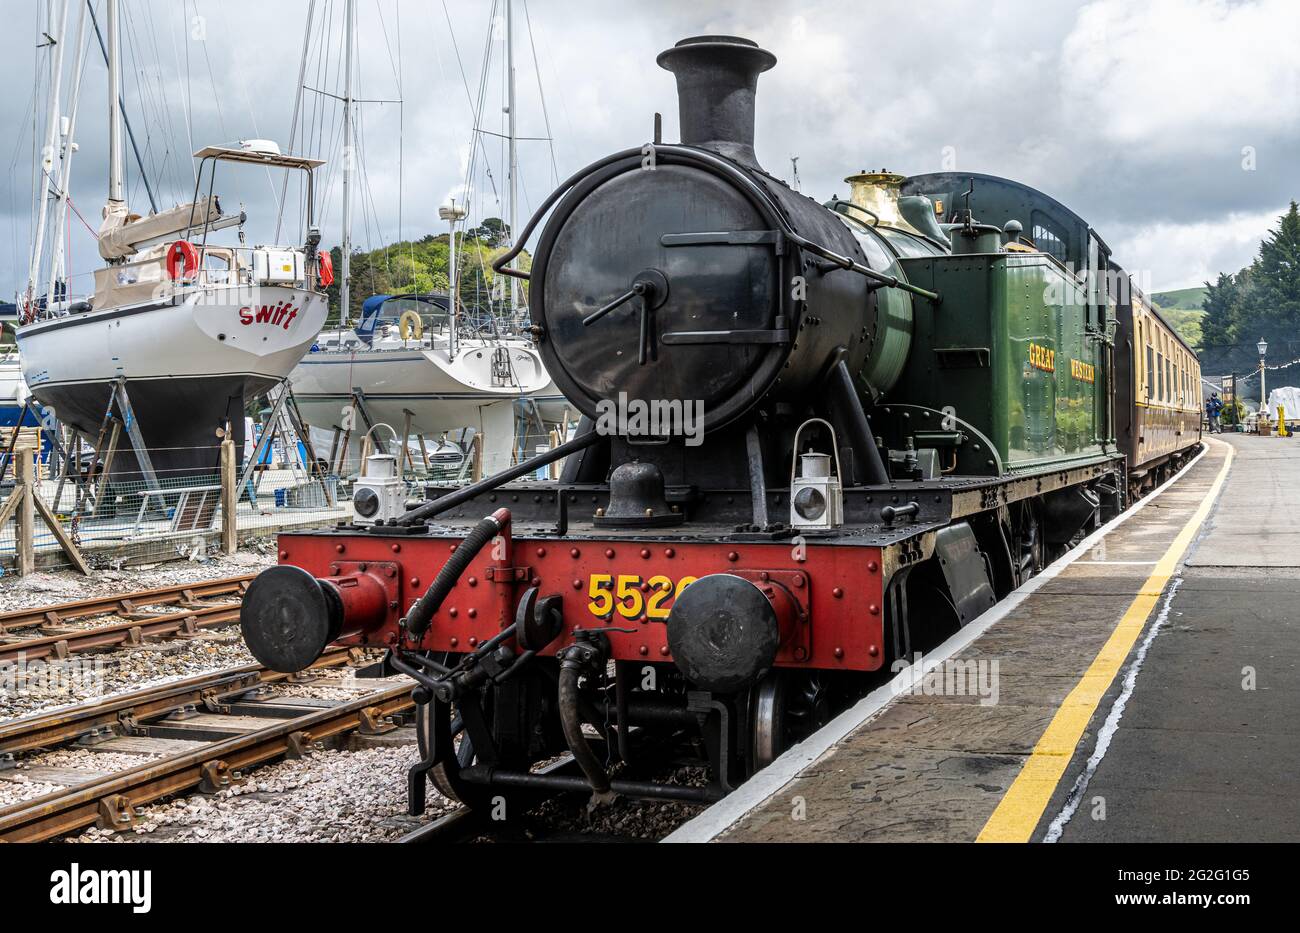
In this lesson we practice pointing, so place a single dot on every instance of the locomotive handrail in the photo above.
(997, 464)
(844, 262)
(794, 462)
(720, 165)
(836, 203)
(488, 483)
(500, 264)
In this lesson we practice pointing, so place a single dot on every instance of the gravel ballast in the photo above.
(62, 586)
(328, 796)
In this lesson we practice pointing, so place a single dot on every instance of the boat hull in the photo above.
(442, 395)
(188, 364)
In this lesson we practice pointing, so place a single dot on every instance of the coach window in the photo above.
(1151, 372)
(1139, 364)
(1169, 368)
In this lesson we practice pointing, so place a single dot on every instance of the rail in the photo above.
(58, 727)
(187, 595)
(111, 801)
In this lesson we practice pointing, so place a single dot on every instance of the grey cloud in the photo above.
(1027, 94)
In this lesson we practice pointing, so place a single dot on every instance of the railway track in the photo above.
(207, 731)
(464, 824)
(556, 816)
(56, 634)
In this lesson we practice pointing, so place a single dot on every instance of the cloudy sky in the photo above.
(1174, 125)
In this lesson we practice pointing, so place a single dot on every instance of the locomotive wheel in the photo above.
(1029, 536)
(785, 708)
(445, 776)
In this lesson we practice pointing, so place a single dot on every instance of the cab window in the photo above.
(1048, 236)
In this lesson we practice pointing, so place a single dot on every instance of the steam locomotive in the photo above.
(816, 438)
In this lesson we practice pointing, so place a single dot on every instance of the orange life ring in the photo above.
(182, 260)
(326, 269)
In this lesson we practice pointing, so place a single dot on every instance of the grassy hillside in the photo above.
(1185, 321)
(1186, 298)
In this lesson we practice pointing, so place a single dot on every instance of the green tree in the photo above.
(1260, 301)
(423, 266)
(493, 231)
(1221, 298)
(1274, 303)
(1187, 324)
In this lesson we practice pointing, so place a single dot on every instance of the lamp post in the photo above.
(1262, 346)
(451, 213)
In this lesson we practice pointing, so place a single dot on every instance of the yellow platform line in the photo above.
(1024, 802)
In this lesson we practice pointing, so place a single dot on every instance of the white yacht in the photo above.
(179, 330)
(409, 354)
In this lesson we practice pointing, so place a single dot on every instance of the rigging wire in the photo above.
(185, 105)
(221, 118)
(401, 106)
(470, 172)
(546, 118)
(150, 80)
(150, 162)
(475, 108)
(293, 121)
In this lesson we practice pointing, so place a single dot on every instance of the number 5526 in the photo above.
(631, 596)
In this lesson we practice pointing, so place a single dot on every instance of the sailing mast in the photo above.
(46, 174)
(57, 272)
(116, 189)
(451, 213)
(349, 154)
(514, 158)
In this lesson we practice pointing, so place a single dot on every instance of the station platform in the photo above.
(1140, 689)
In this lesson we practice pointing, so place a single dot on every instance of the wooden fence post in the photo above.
(365, 453)
(229, 497)
(26, 474)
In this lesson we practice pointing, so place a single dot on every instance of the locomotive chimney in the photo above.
(716, 79)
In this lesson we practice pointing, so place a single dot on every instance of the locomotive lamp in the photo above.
(816, 496)
(379, 495)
